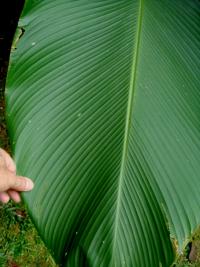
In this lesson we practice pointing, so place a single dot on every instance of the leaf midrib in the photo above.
(128, 122)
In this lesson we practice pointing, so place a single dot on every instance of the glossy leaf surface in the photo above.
(103, 108)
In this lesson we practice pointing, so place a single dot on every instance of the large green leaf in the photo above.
(103, 105)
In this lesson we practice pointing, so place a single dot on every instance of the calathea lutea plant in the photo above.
(103, 110)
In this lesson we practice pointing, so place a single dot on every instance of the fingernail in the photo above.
(29, 184)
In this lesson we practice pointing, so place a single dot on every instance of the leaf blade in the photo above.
(73, 87)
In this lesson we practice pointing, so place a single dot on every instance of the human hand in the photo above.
(10, 183)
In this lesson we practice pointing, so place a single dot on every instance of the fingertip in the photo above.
(4, 197)
(15, 196)
(23, 184)
(29, 184)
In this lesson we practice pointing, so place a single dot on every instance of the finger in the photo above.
(21, 183)
(8, 180)
(15, 196)
(4, 197)
(7, 161)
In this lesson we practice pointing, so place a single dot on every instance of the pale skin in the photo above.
(11, 184)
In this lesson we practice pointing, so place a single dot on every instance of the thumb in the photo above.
(21, 183)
